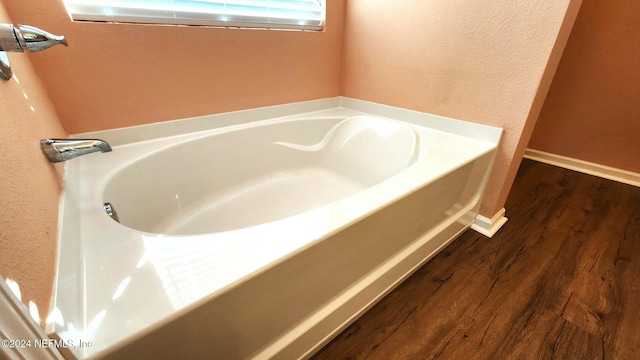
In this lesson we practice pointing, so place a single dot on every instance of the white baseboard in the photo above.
(606, 172)
(489, 227)
(19, 332)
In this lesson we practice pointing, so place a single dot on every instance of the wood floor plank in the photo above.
(561, 280)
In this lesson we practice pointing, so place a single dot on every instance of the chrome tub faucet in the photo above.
(23, 38)
(58, 150)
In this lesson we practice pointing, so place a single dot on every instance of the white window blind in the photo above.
(272, 14)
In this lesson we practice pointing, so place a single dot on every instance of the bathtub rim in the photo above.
(334, 106)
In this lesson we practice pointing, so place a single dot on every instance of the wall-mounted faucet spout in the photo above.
(21, 38)
(58, 150)
(26, 37)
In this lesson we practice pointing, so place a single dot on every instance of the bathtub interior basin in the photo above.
(242, 178)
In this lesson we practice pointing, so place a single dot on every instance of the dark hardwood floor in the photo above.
(561, 280)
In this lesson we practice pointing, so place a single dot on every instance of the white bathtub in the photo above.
(258, 239)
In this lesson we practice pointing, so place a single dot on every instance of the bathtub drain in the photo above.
(111, 211)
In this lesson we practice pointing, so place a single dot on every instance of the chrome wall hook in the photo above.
(21, 38)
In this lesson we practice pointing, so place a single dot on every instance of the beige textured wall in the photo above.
(29, 184)
(489, 62)
(592, 111)
(118, 75)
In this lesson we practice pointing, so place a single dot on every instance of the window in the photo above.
(271, 14)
